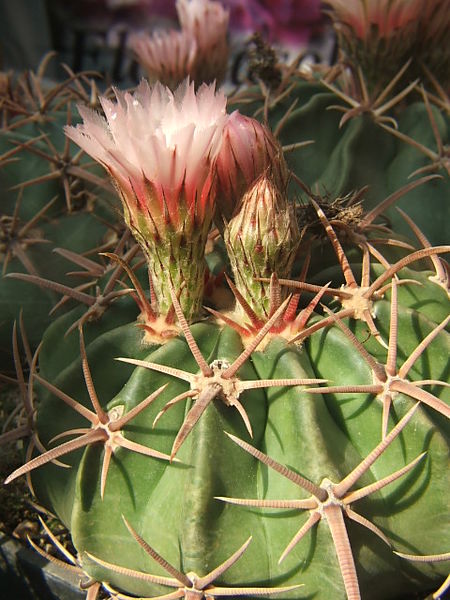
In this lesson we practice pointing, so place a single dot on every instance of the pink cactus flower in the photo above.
(382, 36)
(198, 51)
(207, 23)
(160, 148)
(158, 138)
(387, 16)
(166, 56)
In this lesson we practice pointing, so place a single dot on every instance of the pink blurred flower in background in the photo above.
(102, 31)
(207, 23)
(282, 21)
(386, 16)
(198, 51)
(166, 56)
(380, 37)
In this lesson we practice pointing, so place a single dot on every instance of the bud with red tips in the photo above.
(248, 150)
(261, 239)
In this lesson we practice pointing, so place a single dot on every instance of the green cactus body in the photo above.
(174, 506)
(50, 198)
(195, 522)
(360, 152)
(67, 375)
(37, 159)
(421, 494)
(317, 425)
(74, 232)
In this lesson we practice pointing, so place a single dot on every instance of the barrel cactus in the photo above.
(51, 197)
(282, 429)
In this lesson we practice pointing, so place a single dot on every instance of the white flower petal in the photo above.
(170, 138)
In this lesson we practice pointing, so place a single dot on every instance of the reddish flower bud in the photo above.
(248, 149)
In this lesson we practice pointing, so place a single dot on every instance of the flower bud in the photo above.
(248, 149)
(262, 239)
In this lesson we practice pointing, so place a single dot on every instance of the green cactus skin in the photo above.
(196, 521)
(102, 348)
(37, 174)
(173, 506)
(193, 512)
(360, 152)
(77, 232)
